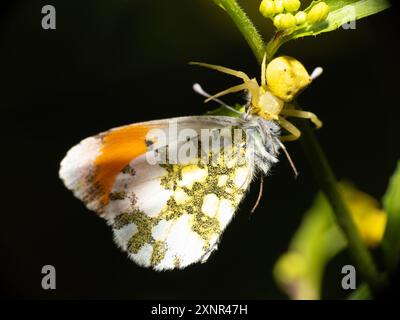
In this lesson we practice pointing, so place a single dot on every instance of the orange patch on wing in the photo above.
(120, 147)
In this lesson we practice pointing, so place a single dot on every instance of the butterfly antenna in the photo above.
(260, 192)
(296, 173)
(198, 89)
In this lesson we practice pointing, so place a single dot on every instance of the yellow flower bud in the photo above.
(318, 13)
(301, 17)
(279, 6)
(277, 20)
(291, 5)
(267, 8)
(370, 224)
(284, 21)
(369, 219)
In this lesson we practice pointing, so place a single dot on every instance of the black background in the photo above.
(110, 63)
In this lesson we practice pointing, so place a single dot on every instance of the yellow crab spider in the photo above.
(281, 80)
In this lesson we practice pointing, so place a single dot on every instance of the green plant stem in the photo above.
(318, 161)
(328, 184)
(273, 45)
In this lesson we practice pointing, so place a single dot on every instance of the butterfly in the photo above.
(168, 188)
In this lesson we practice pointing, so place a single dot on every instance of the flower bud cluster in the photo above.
(286, 15)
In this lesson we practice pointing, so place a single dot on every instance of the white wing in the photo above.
(164, 215)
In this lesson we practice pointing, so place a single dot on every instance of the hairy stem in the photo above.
(316, 157)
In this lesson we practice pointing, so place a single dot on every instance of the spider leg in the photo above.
(235, 73)
(294, 132)
(302, 114)
(239, 87)
(197, 88)
(263, 70)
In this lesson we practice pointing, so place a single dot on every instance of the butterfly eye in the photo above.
(286, 77)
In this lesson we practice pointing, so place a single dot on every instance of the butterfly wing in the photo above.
(164, 215)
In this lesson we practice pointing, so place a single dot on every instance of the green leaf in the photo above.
(391, 239)
(299, 271)
(362, 293)
(223, 111)
(341, 12)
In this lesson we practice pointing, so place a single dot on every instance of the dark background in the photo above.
(110, 63)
